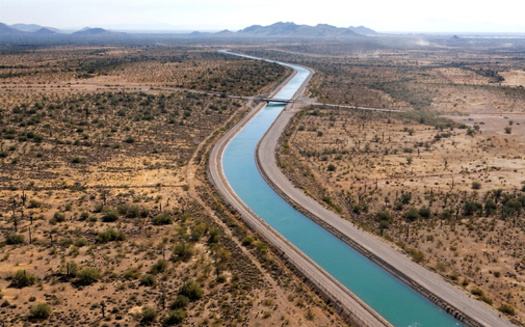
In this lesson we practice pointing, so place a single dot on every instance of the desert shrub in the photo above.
(425, 212)
(22, 279)
(129, 211)
(163, 219)
(34, 204)
(175, 317)
(148, 280)
(417, 256)
(198, 231)
(247, 241)
(412, 214)
(191, 290)
(477, 292)
(214, 236)
(160, 266)
(148, 315)
(406, 198)
(110, 216)
(182, 252)
(383, 215)
(71, 268)
(59, 217)
(471, 207)
(83, 216)
(131, 273)
(80, 242)
(41, 311)
(476, 185)
(14, 238)
(87, 276)
(507, 309)
(180, 301)
(490, 207)
(110, 235)
(445, 214)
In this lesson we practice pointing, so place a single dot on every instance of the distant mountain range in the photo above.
(32, 29)
(292, 29)
(275, 30)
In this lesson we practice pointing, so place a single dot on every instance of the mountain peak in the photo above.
(290, 29)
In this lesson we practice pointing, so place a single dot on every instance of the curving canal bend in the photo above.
(382, 298)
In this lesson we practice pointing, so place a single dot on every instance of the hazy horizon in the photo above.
(407, 16)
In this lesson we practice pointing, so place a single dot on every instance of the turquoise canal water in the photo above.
(392, 299)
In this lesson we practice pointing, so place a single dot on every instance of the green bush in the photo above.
(162, 219)
(131, 211)
(148, 315)
(214, 236)
(110, 235)
(87, 276)
(110, 216)
(59, 217)
(41, 311)
(247, 241)
(131, 273)
(383, 215)
(180, 301)
(71, 268)
(80, 242)
(175, 317)
(22, 279)
(182, 252)
(160, 266)
(14, 238)
(470, 208)
(84, 216)
(412, 214)
(507, 309)
(191, 290)
(148, 280)
(425, 212)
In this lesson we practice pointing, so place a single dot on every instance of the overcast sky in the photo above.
(380, 15)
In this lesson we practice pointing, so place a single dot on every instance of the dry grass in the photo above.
(74, 161)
